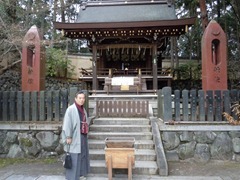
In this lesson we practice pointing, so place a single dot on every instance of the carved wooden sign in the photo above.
(33, 62)
(214, 58)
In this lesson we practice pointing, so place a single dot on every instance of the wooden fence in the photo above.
(122, 108)
(187, 106)
(36, 106)
(196, 106)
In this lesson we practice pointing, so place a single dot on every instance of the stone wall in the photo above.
(11, 81)
(202, 146)
(30, 144)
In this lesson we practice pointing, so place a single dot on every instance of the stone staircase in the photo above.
(139, 128)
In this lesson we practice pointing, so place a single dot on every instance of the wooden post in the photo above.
(214, 58)
(154, 67)
(109, 165)
(94, 67)
(167, 103)
(110, 73)
(185, 105)
(130, 163)
(160, 104)
(33, 62)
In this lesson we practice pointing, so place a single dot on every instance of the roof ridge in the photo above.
(123, 2)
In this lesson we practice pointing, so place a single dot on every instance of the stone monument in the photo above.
(33, 62)
(214, 58)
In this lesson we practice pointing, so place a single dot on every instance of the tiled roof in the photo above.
(131, 11)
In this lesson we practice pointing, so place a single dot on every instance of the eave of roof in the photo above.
(112, 25)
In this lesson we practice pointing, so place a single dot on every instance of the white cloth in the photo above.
(122, 81)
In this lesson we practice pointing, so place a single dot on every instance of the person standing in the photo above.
(74, 136)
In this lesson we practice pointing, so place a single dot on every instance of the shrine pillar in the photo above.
(154, 67)
(214, 58)
(33, 62)
(94, 68)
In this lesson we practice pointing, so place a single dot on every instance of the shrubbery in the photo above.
(57, 63)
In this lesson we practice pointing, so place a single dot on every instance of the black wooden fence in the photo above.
(196, 106)
(36, 106)
(189, 106)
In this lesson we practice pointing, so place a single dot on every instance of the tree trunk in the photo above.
(28, 13)
(54, 19)
(176, 53)
(11, 10)
(62, 10)
(204, 16)
(172, 52)
(218, 9)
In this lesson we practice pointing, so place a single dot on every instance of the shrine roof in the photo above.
(125, 11)
(118, 19)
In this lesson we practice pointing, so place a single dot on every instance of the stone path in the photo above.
(104, 177)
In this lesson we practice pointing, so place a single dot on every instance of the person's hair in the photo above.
(79, 92)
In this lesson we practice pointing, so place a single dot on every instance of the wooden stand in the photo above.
(120, 157)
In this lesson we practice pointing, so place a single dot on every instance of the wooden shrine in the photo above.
(127, 39)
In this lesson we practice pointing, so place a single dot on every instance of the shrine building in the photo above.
(127, 39)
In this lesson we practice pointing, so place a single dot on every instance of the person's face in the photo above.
(80, 99)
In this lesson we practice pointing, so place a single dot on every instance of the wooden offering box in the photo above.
(120, 142)
(119, 153)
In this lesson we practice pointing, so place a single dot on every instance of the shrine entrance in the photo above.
(126, 68)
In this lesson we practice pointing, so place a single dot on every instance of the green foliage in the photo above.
(233, 74)
(84, 50)
(57, 63)
(189, 70)
(9, 161)
(226, 13)
(26, 142)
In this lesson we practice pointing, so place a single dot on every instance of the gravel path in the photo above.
(228, 170)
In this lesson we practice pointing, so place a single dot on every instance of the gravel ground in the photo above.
(223, 169)
(228, 170)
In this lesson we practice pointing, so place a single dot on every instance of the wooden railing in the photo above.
(195, 106)
(36, 106)
(111, 72)
(122, 108)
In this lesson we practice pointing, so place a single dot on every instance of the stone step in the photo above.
(121, 121)
(104, 135)
(120, 128)
(139, 144)
(139, 128)
(140, 154)
(141, 167)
